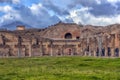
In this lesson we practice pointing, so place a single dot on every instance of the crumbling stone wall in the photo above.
(62, 39)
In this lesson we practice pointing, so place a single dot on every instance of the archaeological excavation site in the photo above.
(61, 39)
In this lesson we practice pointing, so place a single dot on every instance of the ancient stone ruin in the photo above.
(61, 39)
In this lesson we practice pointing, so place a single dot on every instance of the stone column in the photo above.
(116, 41)
(114, 44)
(99, 45)
(30, 50)
(88, 46)
(119, 45)
(85, 47)
(112, 52)
(30, 47)
(77, 49)
(46, 50)
(41, 48)
(19, 46)
(94, 49)
(106, 45)
(81, 48)
(19, 51)
(106, 51)
(85, 53)
(94, 53)
(119, 52)
(51, 45)
(12, 47)
(61, 52)
(72, 51)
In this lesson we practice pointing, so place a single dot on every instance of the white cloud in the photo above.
(6, 8)
(9, 17)
(35, 8)
(10, 14)
(38, 14)
(84, 17)
(15, 1)
(113, 1)
(98, 1)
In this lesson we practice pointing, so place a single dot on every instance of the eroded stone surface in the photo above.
(62, 39)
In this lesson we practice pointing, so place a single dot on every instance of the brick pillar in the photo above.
(70, 52)
(119, 52)
(46, 50)
(30, 47)
(81, 48)
(106, 52)
(116, 41)
(46, 46)
(105, 45)
(61, 52)
(94, 53)
(41, 48)
(76, 50)
(88, 46)
(12, 49)
(81, 52)
(51, 51)
(118, 36)
(85, 53)
(94, 46)
(112, 52)
(100, 45)
(30, 50)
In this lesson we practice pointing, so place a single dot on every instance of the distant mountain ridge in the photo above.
(12, 25)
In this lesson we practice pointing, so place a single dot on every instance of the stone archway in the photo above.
(68, 36)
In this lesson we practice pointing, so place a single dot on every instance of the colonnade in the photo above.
(98, 45)
(101, 45)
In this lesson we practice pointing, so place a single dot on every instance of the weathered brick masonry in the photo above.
(62, 39)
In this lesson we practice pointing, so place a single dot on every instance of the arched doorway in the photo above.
(68, 36)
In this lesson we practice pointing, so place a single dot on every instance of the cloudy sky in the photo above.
(42, 13)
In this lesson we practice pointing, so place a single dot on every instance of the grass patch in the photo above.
(60, 68)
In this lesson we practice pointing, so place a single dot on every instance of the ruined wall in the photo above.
(62, 39)
(59, 30)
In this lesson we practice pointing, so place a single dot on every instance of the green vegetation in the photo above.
(60, 68)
